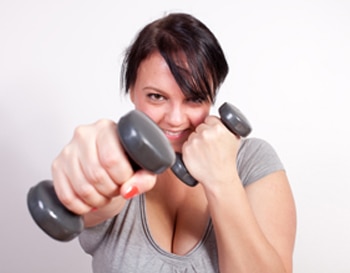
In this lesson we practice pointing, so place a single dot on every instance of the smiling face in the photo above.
(157, 94)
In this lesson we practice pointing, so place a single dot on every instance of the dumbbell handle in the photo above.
(147, 148)
(234, 120)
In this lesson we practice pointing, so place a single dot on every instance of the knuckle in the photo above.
(59, 161)
(84, 191)
(218, 128)
(205, 134)
(65, 153)
(67, 200)
(80, 132)
(109, 159)
(55, 166)
(89, 196)
(104, 123)
(95, 174)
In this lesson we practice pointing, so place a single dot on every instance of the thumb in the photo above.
(142, 181)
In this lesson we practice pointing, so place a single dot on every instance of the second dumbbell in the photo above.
(234, 120)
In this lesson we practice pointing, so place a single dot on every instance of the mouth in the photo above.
(176, 135)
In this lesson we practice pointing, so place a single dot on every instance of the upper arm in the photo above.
(273, 204)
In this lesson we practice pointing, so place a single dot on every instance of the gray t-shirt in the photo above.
(124, 243)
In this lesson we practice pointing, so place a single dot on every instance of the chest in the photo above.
(177, 226)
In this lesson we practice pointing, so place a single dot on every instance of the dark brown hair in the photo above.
(192, 52)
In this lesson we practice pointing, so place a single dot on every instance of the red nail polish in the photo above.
(131, 192)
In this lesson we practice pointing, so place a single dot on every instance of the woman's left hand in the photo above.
(210, 153)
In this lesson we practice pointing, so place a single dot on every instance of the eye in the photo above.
(196, 100)
(155, 97)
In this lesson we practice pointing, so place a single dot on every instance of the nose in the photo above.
(176, 115)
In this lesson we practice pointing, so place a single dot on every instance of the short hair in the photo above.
(191, 51)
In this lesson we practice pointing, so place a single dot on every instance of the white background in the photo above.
(289, 73)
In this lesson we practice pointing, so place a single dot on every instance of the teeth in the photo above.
(170, 133)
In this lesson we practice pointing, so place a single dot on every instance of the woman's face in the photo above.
(157, 94)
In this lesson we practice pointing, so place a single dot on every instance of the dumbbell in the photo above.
(234, 120)
(146, 146)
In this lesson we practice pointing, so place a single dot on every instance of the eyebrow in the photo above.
(153, 88)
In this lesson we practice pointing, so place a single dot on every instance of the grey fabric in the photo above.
(256, 159)
(124, 244)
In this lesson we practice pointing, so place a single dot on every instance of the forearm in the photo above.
(102, 214)
(242, 246)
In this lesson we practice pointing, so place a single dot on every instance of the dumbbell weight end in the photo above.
(50, 215)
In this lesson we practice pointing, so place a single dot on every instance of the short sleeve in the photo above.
(91, 238)
(256, 158)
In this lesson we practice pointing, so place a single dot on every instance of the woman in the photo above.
(241, 215)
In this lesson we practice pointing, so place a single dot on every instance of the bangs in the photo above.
(189, 68)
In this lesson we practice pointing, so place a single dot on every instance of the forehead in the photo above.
(154, 62)
(154, 68)
(154, 73)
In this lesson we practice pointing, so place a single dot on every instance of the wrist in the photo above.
(224, 189)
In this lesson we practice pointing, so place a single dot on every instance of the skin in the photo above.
(92, 177)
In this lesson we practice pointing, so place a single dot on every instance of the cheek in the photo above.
(154, 114)
(199, 117)
(142, 106)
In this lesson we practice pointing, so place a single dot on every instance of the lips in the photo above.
(175, 135)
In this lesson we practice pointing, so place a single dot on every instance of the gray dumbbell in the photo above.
(234, 120)
(147, 148)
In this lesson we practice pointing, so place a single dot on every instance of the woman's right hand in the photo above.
(93, 169)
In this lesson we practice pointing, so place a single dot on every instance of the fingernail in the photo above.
(131, 192)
